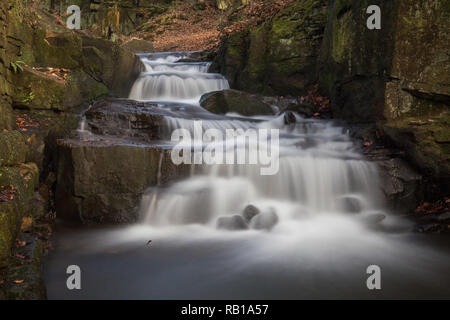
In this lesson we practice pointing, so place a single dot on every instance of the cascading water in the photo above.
(325, 195)
(165, 80)
(319, 170)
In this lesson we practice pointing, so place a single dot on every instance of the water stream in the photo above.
(331, 218)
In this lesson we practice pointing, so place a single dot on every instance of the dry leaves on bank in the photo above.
(7, 193)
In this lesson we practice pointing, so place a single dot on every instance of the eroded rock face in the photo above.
(427, 146)
(386, 73)
(126, 118)
(280, 56)
(103, 181)
(103, 174)
(222, 102)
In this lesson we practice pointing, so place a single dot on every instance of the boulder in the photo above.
(426, 143)
(401, 185)
(38, 90)
(233, 223)
(127, 118)
(349, 204)
(102, 181)
(222, 102)
(249, 212)
(289, 118)
(373, 219)
(266, 220)
(110, 64)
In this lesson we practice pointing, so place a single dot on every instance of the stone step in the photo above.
(102, 180)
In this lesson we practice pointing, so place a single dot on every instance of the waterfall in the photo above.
(320, 171)
(165, 80)
(324, 205)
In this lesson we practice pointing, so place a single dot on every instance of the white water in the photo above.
(318, 164)
(165, 80)
(317, 250)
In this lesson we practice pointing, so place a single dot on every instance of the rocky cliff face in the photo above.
(396, 77)
(278, 57)
(48, 75)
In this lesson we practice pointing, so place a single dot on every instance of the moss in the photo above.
(6, 116)
(13, 148)
(427, 144)
(23, 177)
(342, 38)
(9, 227)
(47, 92)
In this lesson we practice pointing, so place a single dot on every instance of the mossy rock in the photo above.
(108, 63)
(279, 57)
(37, 90)
(30, 271)
(103, 182)
(222, 102)
(13, 148)
(6, 115)
(10, 222)
(25, 179)
(426, 142)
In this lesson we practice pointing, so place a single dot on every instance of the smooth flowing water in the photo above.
(326, 198)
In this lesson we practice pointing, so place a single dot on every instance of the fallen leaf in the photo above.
(20, 243)
(27, 222)
(18, 281)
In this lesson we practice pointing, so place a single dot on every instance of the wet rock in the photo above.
(400, 184)
(428, 228)
(126, 118)
(349, 204)
(444, 216)
(249, 212)
(222, 102)
(289, 118)
(265, 221)
(373, 219)
(101, 181)
(233, 223)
